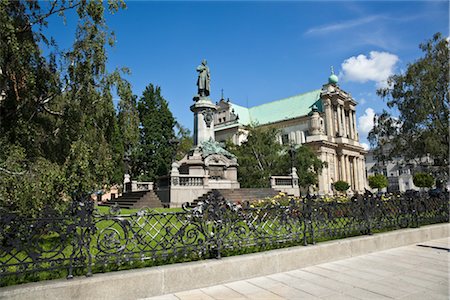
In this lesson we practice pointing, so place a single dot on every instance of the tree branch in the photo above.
(52, 112)
(11, 172)
(52, 11)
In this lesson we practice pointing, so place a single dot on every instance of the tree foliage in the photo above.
(261, 156)
(421, 96)
(185, 141)
(378, 181)
(157, 144)
(308, 165)
(423, 180)
(58, 121)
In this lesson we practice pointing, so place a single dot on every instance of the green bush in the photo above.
(378, 181)
(341, 186)
(423, 180)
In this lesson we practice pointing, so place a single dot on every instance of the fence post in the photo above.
(368, 211)
(87, 227)
(413, 211)
(309, 227)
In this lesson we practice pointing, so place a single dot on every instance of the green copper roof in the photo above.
(333, 79)
(284, 109)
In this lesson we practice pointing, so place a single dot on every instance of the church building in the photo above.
(323, 119)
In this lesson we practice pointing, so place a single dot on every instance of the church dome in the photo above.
(333, 79)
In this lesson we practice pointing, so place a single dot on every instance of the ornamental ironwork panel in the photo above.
(53, 240)
(83, 240)
(145, 235)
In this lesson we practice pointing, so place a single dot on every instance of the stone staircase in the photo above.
(138, 199)
(239, 195)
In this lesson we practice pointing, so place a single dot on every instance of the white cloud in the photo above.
(377, 67)
(348, 24)
(365, 122)
(365, 146)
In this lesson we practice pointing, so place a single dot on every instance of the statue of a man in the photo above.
(203, 79)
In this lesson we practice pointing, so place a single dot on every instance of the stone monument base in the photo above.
(208, 166)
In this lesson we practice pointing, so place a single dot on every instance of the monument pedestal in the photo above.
(203, 110)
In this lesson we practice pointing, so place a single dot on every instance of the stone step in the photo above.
(134, 200)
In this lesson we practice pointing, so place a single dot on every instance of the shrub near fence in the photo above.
(84, 241)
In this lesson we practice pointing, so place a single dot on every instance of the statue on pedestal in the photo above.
(203, 80)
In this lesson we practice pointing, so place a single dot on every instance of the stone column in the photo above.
(328, 117)
(339, 116)
(203, 110)
(350, 126)
(357, 174)
(355, 137)
(349, 175)
(344, 123)
(363, 170)
(322, 177)
(341, 167)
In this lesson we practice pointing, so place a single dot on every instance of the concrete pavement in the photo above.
(419, 271)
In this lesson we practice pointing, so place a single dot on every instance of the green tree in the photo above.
(341, 186)
(378, 181)
(128, 128)
(184, 139)
(259, 157)
(423, 180)
(308, 165)
(421, 97)
(156, 148)
(56, 112)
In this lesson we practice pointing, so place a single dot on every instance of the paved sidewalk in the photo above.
(419, 271)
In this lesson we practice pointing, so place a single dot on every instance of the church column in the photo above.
(327, 171)
(363, 170)
(322, 181)
(344, 125)
(339, 115)
(350, 126)
(354, 126)
(349, 174)
(328, 117)
(356, 165)
(341, 167)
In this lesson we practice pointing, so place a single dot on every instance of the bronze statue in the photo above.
(203, 80)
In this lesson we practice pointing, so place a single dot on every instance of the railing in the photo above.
(82, 240)
(283, 181)
(190, 181)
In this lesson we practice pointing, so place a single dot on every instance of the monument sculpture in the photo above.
(207, 166)
(203, 81)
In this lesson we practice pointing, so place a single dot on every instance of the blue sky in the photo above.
(261, 51)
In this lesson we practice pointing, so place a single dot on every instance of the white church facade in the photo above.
(323, 119)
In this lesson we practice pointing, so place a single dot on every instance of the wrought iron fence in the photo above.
(82, 240)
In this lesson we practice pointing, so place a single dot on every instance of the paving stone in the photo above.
(305, 286)
(404, 273)
(427, 295)
(222, 292)
(193, 295)
(287, 292)
(364, 294)
(338, 297)
(264, 282)
(163, 297)
(243, 287)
